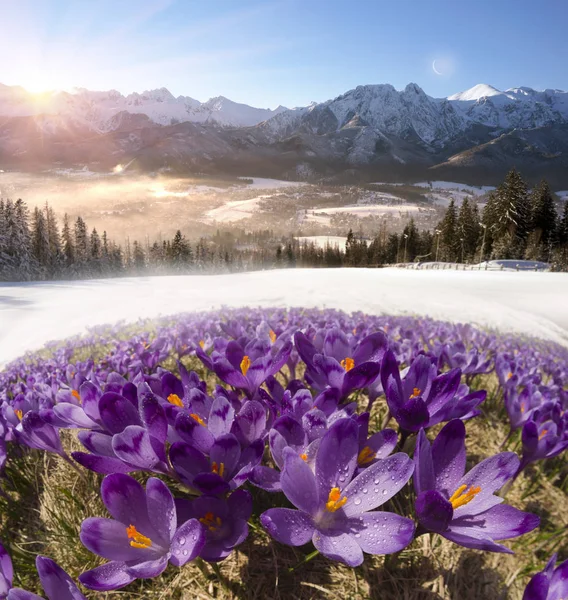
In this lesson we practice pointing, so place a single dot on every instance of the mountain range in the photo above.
(370, 132)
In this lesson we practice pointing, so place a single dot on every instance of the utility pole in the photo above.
(405, 243)
(438, 243)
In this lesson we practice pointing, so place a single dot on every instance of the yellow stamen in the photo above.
(245, 365)
(218, 468)
(211, 521)
(348, 363)
(138, 540)
(542, 434)
(509, 375)
(334, 500)
(304, 457)
(175, 400)
(523, 407)
(76, 395)
(272, 336)
(19, 414)
(415, 393)
(463, 496)
(197, 418)
(366, 456)
(202, 344)
(355, 331)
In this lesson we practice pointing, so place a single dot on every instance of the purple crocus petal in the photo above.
(135, 447)
(55, 582)
(108, 538)
(327, 401)
(161, 509)
(471, 538)
(250, 458)
(371, 348)
(448, 454)
(6, 571)
(538, 587)
(336, 459)
(424, 475)
(210, 484)
(251, 421)
(360, 377)
(190, 430)
(227, 373)
(71, 413)
(382, 480)
(342, 548)
(413, 414)
(102, 464)
(96, 442)
(314, 423)
(299, 483)
(490, 475)
(235, 354)
(559, 582)
(110, 576)
(148, 568)
(330, 369)
(390, 379)
(240, 505)
(336, 344)
(221, 417)
(395, 532)
(20, 594)
(305, 348)
(90, 400)
(443, 389)
(499, 523)
(187, 542)
(226, 450)
(434, 512)
(188, 462)
(266, 478)
(117, 412)
(288, 526)
(154, 418)
(125, 500)
(382, 443)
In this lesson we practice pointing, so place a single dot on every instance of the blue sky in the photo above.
(282, 51)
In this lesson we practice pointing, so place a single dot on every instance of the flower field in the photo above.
(272, 453)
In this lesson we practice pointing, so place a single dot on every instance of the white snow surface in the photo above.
(525, 302)
(263, 183)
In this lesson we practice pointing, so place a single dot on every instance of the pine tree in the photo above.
(54, 241)
(449, 240)
(25, 266)
(543, 223)
(68, 244)
(468, 230)
(40, 243)
(138, 258)
(81, 244)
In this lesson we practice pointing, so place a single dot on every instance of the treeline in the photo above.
(34, 246)
(515, 224)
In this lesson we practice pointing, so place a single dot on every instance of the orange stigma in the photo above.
(366, 456)
(463, 496)
(138, 540)
(211, 521)
(175, 400)
(347, 363)
(219, 469)
(76, 395)
(334, 500)
(523, 407)
(304, 457)
(509, 375)
(19, 414)
(415, 393)
(245, 365)
(542, 434)
(197, 418)
(202, 344)
(272, 336)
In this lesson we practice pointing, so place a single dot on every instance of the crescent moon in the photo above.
(435, 70)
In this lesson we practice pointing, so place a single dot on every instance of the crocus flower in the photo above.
(225, 521)
(334, 510)
(424, 398)
(550, 584)
(54, 580)
(544, 438)
(463, 507)
(141, 537)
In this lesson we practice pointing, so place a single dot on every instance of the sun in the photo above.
(40, 83)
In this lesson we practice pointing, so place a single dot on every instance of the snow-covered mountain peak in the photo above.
(481, 90)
